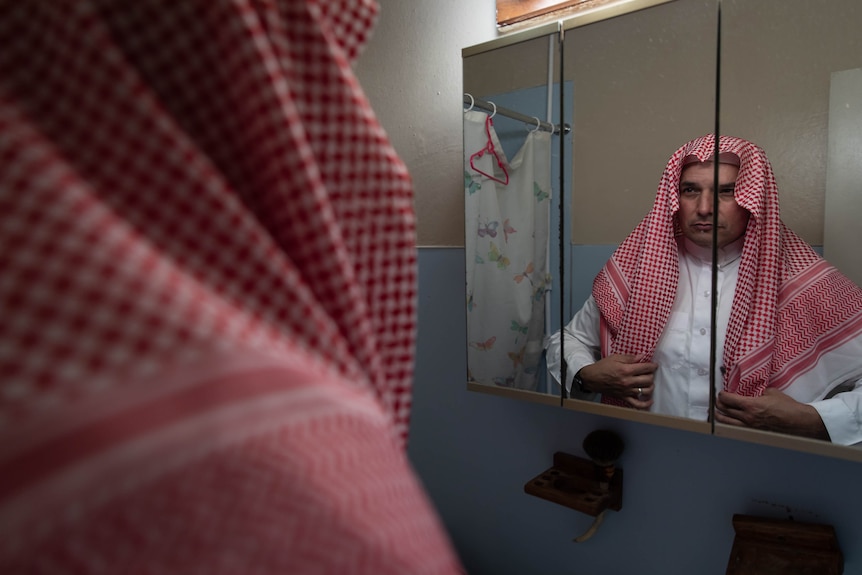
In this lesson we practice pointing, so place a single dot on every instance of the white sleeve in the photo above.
(842, 415)
(582, 346)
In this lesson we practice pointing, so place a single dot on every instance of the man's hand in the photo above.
(772, 411)
(625, 377)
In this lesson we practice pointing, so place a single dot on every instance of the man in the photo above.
(207, 295)
(788, 325)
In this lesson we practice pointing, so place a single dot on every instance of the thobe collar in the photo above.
(726, 255)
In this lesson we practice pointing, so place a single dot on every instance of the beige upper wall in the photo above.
(777, 60)
(644, 85)
(778, 57)
(508, 68)
(411, 72)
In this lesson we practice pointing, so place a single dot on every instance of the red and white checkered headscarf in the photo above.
(207, 295)
(790, 308)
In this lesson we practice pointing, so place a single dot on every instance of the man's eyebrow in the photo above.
(686, 183)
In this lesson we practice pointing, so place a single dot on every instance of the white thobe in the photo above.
(682, 352)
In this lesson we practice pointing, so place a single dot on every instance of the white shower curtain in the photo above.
(506, 246)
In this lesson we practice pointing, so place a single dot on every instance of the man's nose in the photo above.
(704, 203)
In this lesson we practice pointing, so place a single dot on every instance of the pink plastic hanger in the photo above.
(489, 147)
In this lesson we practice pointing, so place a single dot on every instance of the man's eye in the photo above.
(688, 191)
(726, 193)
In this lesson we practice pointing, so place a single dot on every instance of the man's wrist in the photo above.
(579, 382)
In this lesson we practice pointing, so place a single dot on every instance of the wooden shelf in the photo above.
(579, 484)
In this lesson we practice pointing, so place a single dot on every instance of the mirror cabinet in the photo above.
(601, 100)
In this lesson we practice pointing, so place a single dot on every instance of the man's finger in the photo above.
(732, 400)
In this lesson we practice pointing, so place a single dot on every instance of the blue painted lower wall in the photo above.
(474, 452)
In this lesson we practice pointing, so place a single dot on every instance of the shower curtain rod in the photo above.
(489, 107)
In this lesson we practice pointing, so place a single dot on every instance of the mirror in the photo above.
(642, 81)
(791, 82)
(511, 210)
(644, 84)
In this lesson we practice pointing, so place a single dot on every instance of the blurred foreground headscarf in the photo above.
(207, 296)
(796, 321)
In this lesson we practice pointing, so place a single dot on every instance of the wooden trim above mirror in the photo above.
(514, 11)
(567, 19)
(518, 14)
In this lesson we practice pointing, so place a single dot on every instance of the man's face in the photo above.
(695, 204)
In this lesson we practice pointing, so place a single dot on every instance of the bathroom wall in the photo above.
(474, 452)
(411, 72)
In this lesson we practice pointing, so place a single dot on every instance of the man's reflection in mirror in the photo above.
(788, 324)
